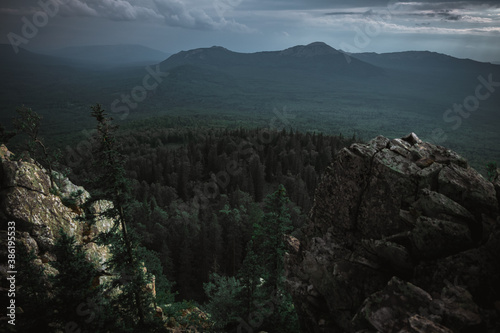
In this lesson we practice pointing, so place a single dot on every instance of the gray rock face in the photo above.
(27, 200)
(403, 237)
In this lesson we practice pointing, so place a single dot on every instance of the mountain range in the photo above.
(316, 59)
(323, 89)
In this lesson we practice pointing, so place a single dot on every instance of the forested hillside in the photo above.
(207, 207)
(206, 224)
(199, 191)
(322, 90)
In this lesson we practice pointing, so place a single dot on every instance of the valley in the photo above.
(314, 88)
(233, 185)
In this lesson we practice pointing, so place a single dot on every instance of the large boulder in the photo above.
(403, 236)
(40, 211)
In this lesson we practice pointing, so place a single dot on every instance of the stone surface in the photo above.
(39, 212)
(27, 199)
(393, 222)
(432, 238)
(497, 186)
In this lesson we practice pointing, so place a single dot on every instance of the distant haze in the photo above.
(110, 55)
(442, 98)
(463, 29)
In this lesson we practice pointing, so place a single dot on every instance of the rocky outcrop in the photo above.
(403, 237)
(39, 212)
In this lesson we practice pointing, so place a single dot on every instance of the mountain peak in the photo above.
(203, 53)
(318, 44)
(310, 50)
(221, 48)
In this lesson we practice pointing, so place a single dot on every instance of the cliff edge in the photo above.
(28, 202)
(404, 236)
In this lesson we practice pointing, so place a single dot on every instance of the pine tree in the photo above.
(256, 170)
(110, 183)
(224, 303)
(130, 286)
(32, 294)
(269, 243)
(79, 302)
(269, 236)
(232, 222)
(250, 276)
(28, 123)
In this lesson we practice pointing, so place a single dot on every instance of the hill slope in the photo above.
(321, 88)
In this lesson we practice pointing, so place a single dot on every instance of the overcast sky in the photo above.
(465, 29)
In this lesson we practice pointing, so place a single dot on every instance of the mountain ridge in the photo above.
(419, 59)
(371, 94)
(71, 54)
(316, 56)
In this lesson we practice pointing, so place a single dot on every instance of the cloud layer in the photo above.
(465, 27)
(446, 17)
(191, 14)
(247, 15)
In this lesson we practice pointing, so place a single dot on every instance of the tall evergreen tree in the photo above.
(257, 172)
(250, 276)
(110, 183)
(232, 223)
(269, 243)
(224, 303)
(33, 294)
(28, 123)
(269, 237)
(78, 299)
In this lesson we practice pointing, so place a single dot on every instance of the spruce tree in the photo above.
(224, 305)
(263, 276)
(77, 297)
(269, 237)
(28, 123)
(250, 276)
(110, 183)
(32, 294)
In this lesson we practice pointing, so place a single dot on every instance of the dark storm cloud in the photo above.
(204, 15)
(446, 11)
(219, 14)
(444, 5)
(446, 15)
(192, 14)
(342, 13)
(463, 26)
(318, 4)
(111, 9)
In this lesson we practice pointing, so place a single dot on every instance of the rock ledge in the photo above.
(403, 237)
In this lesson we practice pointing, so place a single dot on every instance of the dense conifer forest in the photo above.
(203, 208)
(198, 192)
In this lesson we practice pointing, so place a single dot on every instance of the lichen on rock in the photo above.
(27, 199)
